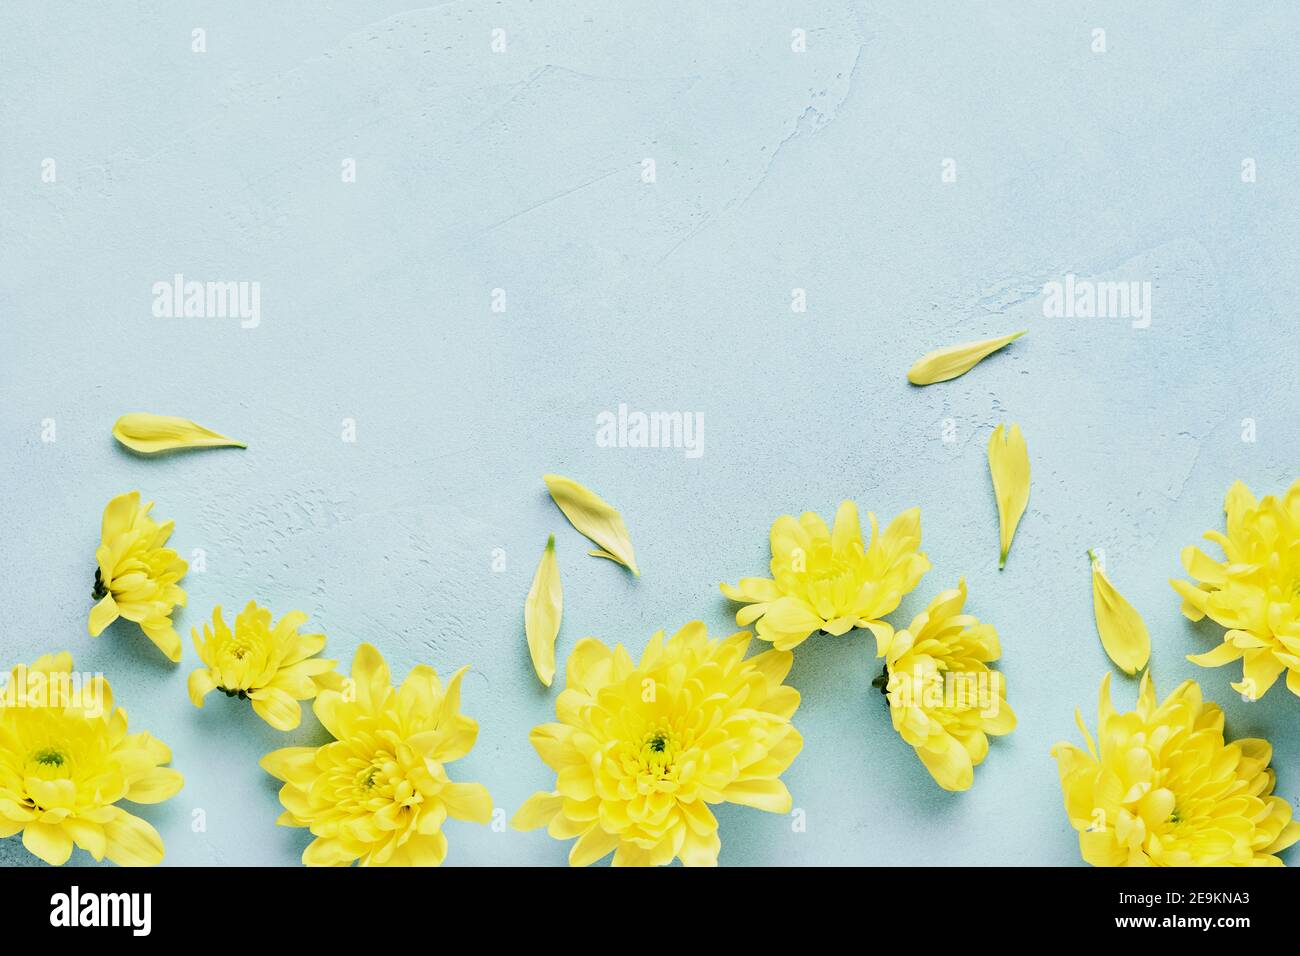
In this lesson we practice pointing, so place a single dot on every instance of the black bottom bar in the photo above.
(380, 907)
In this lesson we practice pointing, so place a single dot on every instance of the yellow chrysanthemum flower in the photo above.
(274, 667)
(66, 760)
(944, 699)
(136, 578)
(641, 750)
(1166, 789)
(379, 792)
(1254, 592)
(826, 580)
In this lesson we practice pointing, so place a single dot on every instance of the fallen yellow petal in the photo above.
(542, 612)
(943, 364)
(149, 434)
(1009, 465)
(595, 518)
(1121, 628)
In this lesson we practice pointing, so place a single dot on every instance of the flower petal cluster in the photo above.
(824, 580)
(379, 793)
(66, 759)
(641, 751)
(1254, 591)
(1161, 786)
(272, 665)
(137, 576)
(944, 699)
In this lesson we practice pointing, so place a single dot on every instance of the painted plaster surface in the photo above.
(523, 171)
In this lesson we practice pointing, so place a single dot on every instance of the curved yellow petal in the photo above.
(200, 685)
(537, 811)
(131, 841)
(1121, 628)
(51, 843)
(159, 784)
(102, 614)
(595, 518)
(277, 708)
(164, 636)
(543, 610)
(954, 360)
(149, 434)
(467, 801)
(1009, 466)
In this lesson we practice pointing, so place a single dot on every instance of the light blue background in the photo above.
(522, 171)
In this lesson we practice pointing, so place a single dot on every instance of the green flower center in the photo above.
(49, 757)
(660, 749)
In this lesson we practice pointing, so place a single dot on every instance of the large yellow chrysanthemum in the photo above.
(944, 699)
(1254, 592)
(641, 750)
(136, 578)
(65, 761)
(1166, 789)
(827, 580)
(274, 667)
(379, 793)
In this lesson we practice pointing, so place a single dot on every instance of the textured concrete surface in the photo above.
(523, 171)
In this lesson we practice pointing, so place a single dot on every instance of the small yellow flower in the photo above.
(1166, 789)
(136, 578)
(275, 667)
(66, 759)
(641, 750)
(944, 699)
(1254, 592)
(379, 792)
(826, 580)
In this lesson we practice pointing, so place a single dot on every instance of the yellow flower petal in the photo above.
(1122, 631)
(543, 610)
(51, 843)
(537, 811)
(593, 845)
(101, 615)
(164, 636)
(131, 841)
(277, 708)
(943, 364)
(1009, 465)
(150, 434)
(159, 784)
(595, 518)
(291, 764)
(467, 801)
